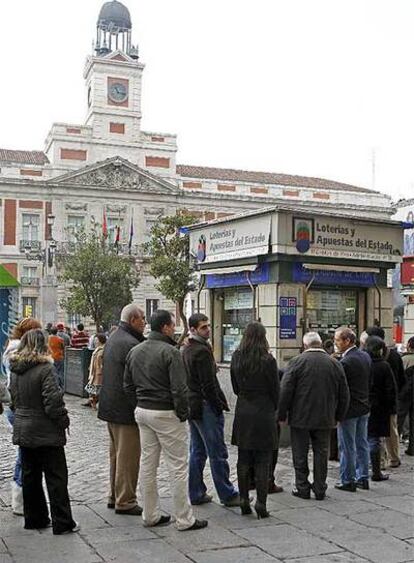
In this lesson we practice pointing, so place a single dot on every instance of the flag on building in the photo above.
(131, 235)
(104, 226)
(117, 238)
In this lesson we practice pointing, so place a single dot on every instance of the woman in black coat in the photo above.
(383, 401)
(41, 420)
(255, 381)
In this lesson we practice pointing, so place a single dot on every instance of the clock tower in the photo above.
(113, 76)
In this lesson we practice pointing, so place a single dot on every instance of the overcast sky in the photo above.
(310, 87)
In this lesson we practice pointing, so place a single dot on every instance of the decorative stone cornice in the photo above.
(76, 206)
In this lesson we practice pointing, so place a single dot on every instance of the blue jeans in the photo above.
(354, 449)
(59, 372)
(17, 476)
(207, 440)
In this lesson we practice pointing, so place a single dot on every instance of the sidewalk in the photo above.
(375, 526)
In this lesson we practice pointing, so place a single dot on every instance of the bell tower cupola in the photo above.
(113, 30)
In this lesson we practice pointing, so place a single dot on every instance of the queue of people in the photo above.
(148, 390)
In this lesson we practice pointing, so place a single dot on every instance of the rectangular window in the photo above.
(29, 272)
(76, 223)
(151, 305)
(29, 306)
(31, 225)
(113, 223)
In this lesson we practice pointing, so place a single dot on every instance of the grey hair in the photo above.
(312, 340)
(363, 338)
(130, 311)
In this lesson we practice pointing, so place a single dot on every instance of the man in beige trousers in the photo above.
(155, 382)
(124, 440)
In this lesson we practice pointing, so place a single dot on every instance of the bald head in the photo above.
(134, 316)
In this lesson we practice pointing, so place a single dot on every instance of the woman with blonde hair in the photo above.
(17, 333)
(41, 420)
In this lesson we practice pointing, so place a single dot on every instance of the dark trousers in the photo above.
(52, 462)
(406, 409)
(259, 461)
(300, 438)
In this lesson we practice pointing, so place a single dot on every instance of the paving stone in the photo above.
(153, 551)
(42, 548)
(11, 525)
(239, 554)
(117, 520)
(333, 558)
(376, 546)
(401, 503)
(4, 558)
(392, 522)
(131, 533)
(285, 541)
(212, 537)
(3, 548)
(87, 518)
(344, 508)
(322, 524)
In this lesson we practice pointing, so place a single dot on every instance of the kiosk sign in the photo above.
(231, 240)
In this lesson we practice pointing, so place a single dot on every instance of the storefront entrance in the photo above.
(328, 309)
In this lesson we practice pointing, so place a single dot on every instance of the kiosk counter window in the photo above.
(329, 309)
(238, 312)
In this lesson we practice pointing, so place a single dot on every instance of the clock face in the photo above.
(118, 92)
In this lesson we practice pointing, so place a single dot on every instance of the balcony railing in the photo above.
(63, 248)
(30, 245)
(28, 281)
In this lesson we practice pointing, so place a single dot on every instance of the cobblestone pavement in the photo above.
(375, 525)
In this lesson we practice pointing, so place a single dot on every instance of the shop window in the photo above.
(328, 309)
(238, 312)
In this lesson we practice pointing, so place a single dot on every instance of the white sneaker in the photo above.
(17, 499)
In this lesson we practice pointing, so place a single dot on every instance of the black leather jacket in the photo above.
(113, 404)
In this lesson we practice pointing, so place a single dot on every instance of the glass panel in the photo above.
(238, 312)
(75, 224)
(29, 272)
(329, 309)
(30, 226)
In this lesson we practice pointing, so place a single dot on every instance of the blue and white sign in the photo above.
(260, 275)
(333, 277)
(287, 318)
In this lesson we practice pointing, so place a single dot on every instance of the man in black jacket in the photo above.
(155, 383)
(314, 397)
(353, 431)
(392, 442)
(124, 442)
(207, 403)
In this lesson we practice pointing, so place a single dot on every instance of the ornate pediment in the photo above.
(117, 174)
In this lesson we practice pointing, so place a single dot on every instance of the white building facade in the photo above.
(108, 166)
